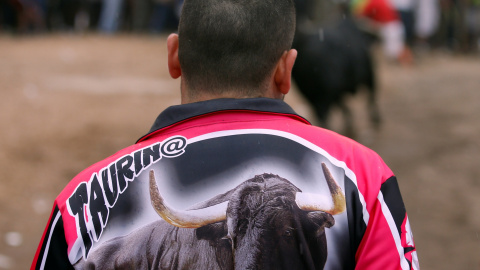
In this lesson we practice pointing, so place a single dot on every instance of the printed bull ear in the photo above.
(185, 219)
(212, 231)
(316, 202)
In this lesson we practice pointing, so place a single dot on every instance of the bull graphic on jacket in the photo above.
(264, 223)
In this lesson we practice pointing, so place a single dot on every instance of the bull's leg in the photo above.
(349, 129)
(373, 109)
(371, 87)
(322, 112)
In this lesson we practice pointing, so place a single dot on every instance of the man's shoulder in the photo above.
(333, 141)
(356, 156)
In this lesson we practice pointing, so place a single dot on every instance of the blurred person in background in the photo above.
(9, 13)
(32, 16)
(165, 15)
(427, 19)
(381, 15)
(111, 16)
(420, 20)
(156, 16)
(453, 24)
(406, 11)
(73, 15)
(93, 9)
(472, 21)
(105, 16)
(68, 10)
(22, 16)
(140, 12)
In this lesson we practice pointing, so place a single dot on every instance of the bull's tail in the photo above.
(371, 84)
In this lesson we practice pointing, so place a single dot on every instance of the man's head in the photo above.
(232, 46)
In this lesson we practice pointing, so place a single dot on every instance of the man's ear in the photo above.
(173, 62)
(283, 72)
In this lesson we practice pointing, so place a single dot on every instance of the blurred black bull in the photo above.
(67, 14)
(334, 61)
(264, 223)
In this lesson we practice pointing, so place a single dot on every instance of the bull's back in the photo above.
(158, 245)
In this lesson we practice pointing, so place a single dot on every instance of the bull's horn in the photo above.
(316, 202)
(185, 219)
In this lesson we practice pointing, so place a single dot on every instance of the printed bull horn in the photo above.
(316, 202)
(185, 219)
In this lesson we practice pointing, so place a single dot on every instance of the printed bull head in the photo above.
(264, 223)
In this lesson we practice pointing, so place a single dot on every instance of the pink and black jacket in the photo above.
(232, 184)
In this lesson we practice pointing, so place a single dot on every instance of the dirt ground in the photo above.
(68, 101)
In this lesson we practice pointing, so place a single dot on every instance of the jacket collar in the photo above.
(178, 113)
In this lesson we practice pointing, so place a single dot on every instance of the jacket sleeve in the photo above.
(52, 250)
(388, 240)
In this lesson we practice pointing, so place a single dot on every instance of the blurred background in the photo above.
(81, 79)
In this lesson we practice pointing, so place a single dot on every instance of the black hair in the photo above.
(229, 45)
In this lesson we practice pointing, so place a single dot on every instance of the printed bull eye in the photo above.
(288, 232)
